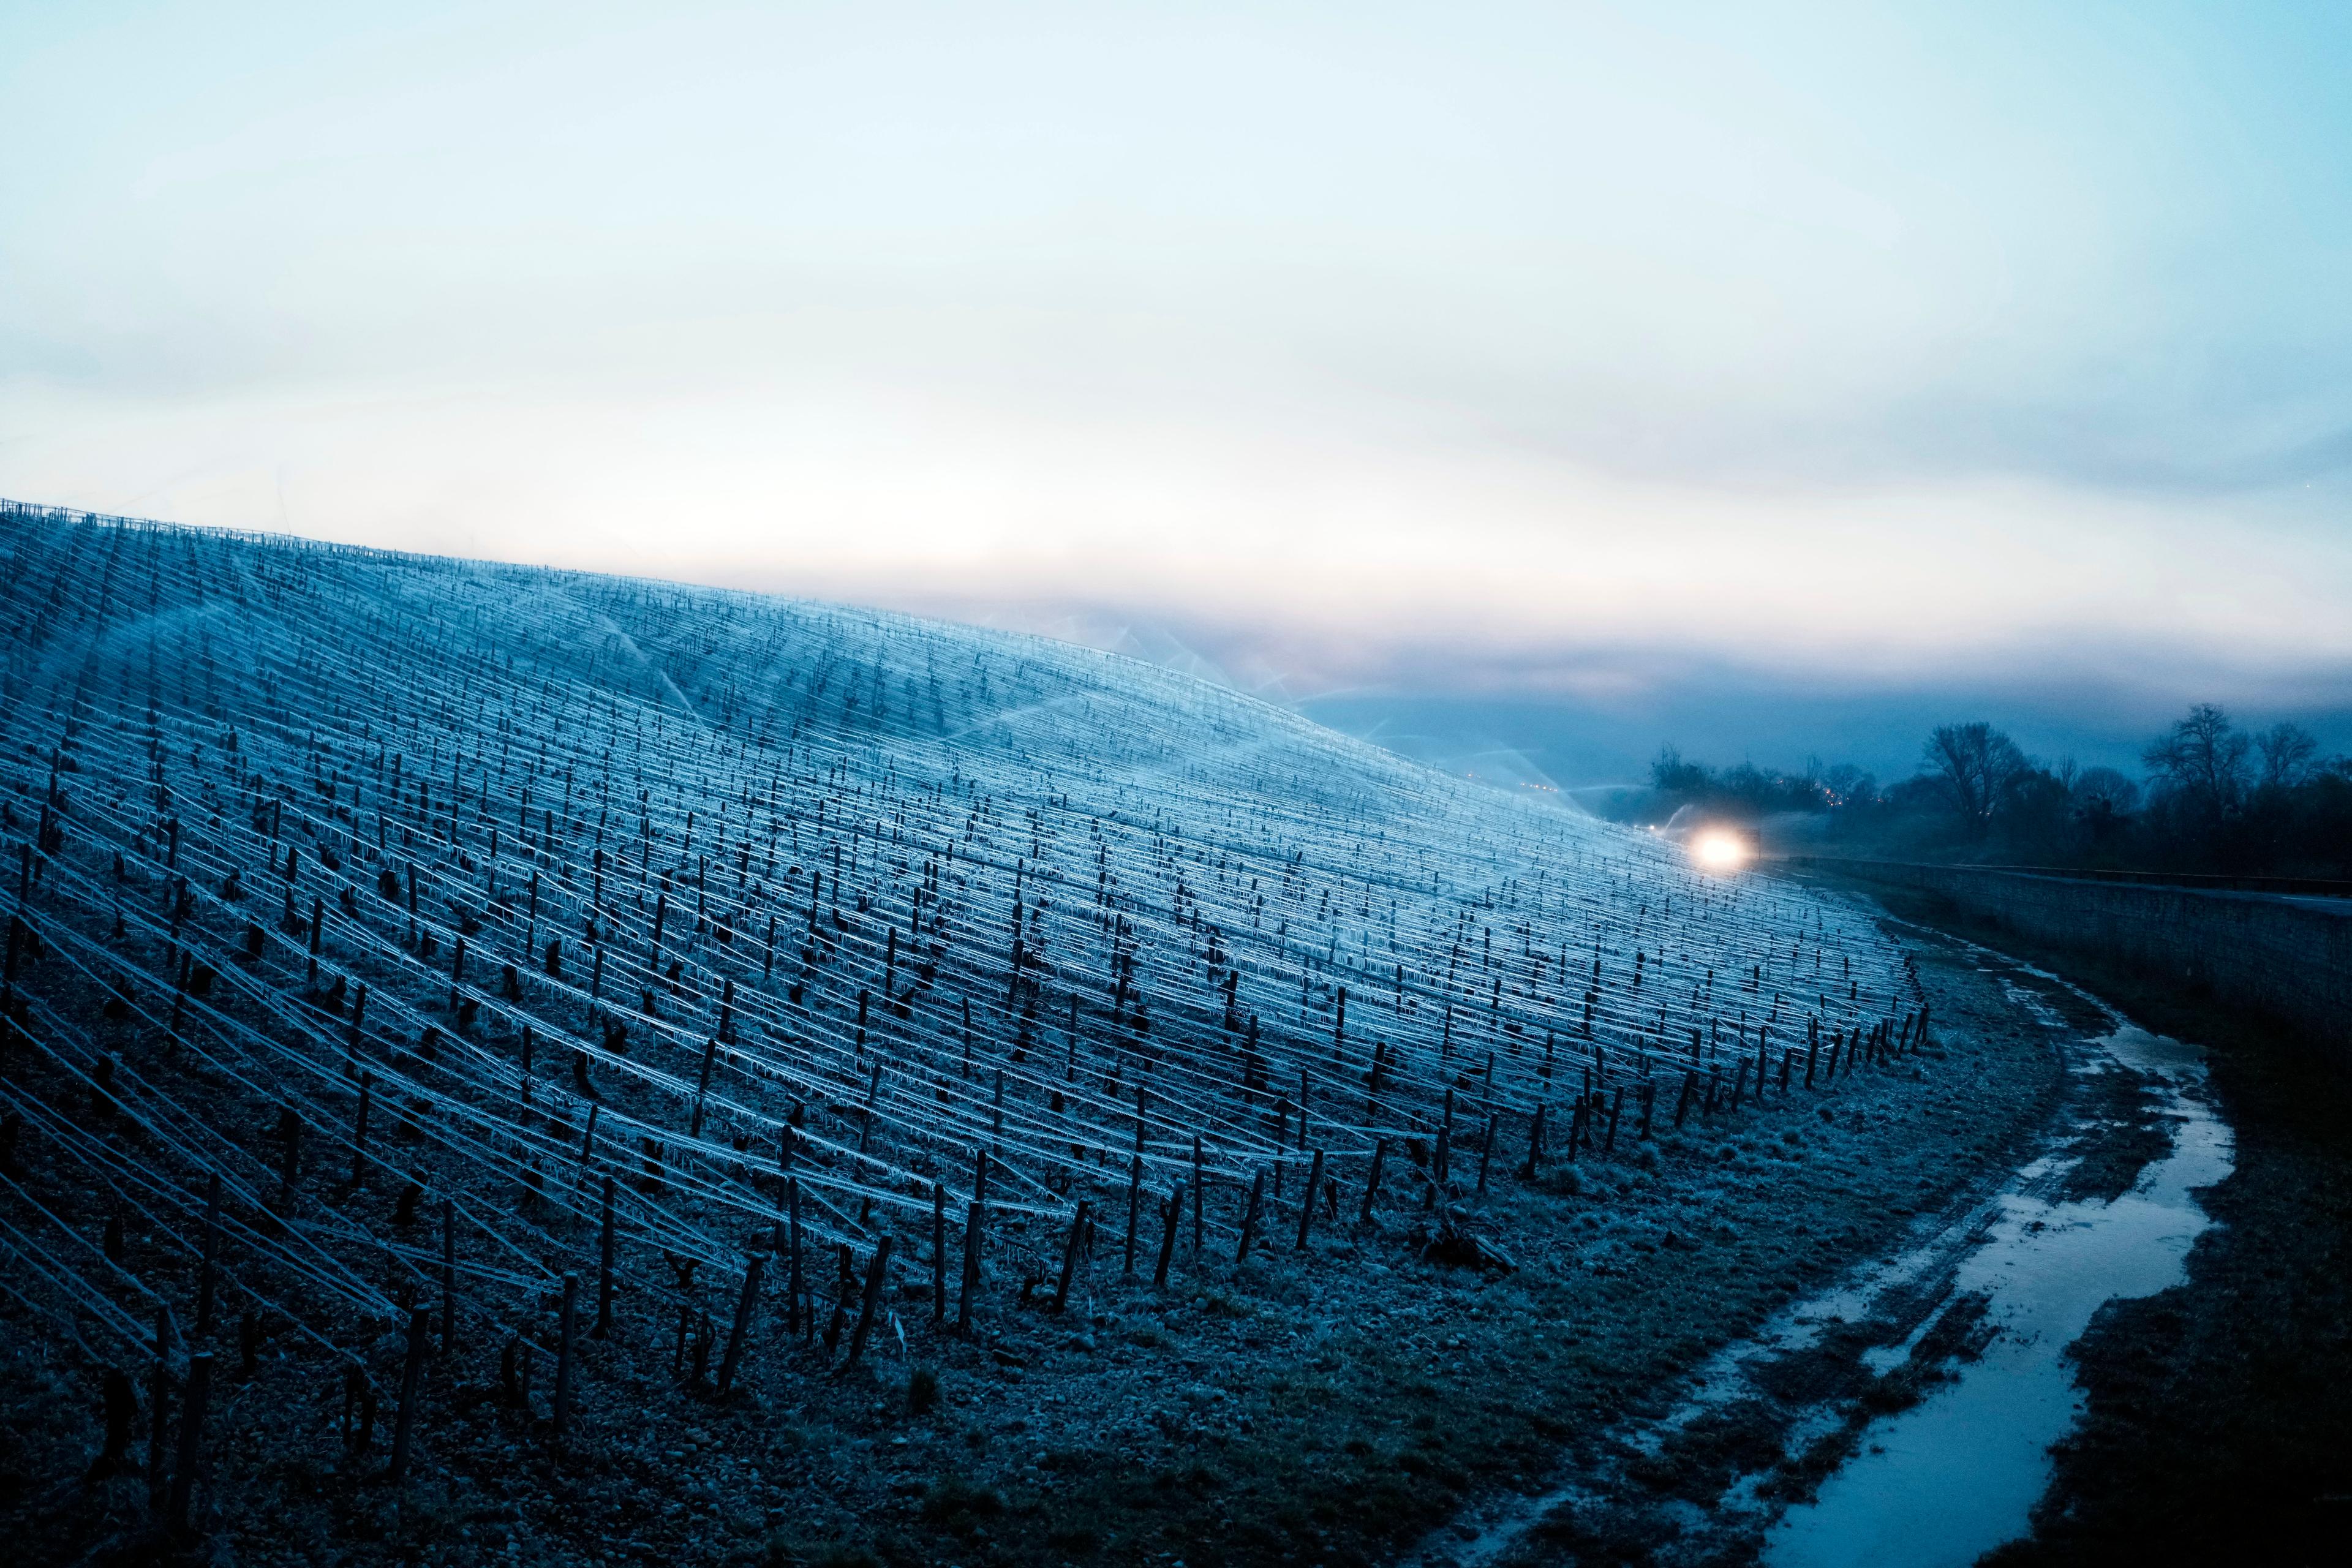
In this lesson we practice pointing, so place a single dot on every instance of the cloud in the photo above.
(1908, 339)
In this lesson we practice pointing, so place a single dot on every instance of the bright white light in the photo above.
(1716, 850)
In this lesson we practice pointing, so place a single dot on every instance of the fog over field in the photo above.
(1636, 367)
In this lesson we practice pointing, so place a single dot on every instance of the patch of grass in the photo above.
(1080, 1539)
(2136, 1134)
(1193, 1477)
(957, 1503)
(1897, 1388)
(786, 1551)
(1800, 1477)
(1704, 1457)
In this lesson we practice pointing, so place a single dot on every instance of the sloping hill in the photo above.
(550, 956)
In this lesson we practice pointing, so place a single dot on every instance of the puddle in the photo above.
(1955, 1475)
(1952, 1477)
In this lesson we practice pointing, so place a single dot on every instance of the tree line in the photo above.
(2212, 797)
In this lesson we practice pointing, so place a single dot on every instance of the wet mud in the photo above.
(1907, 1413)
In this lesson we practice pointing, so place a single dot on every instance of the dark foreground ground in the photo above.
(2220, 1422)
(1298, 1412)
(1289, 1412)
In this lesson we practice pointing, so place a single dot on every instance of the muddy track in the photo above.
(1735, 1470)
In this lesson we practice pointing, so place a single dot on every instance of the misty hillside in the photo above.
(554, 957)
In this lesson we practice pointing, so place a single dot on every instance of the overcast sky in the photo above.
(1559, 351)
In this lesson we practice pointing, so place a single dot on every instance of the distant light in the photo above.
(1716, 850)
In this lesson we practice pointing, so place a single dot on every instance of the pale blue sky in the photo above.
(1445, 347)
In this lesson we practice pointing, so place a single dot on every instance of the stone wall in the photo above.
(2289, 959)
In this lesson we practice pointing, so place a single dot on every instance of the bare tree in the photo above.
(1973, 763)
(2287, 753)
(1670, 775)
(2202, 759)
(1846, 785)
(2104, 792)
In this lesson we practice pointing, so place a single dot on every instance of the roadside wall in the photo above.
(2290, 959)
